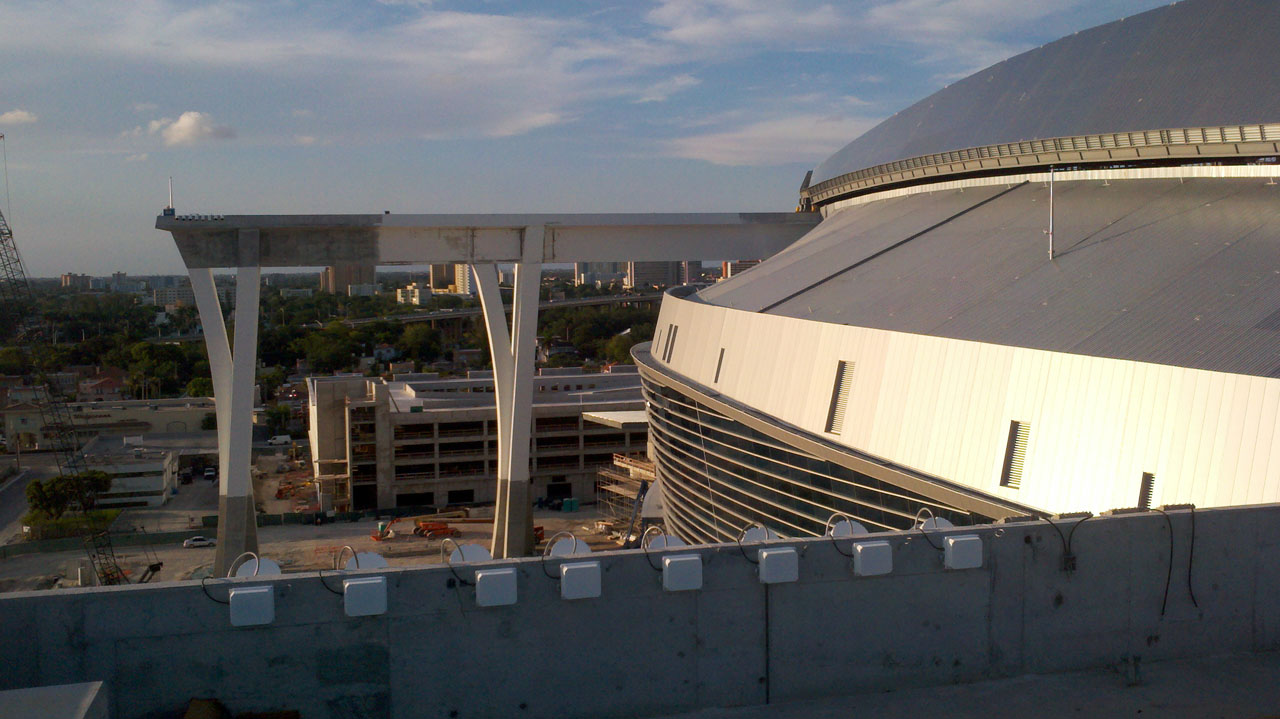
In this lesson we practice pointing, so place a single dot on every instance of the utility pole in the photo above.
(1051, 213)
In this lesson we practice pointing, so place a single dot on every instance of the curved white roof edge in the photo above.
(1185, 172)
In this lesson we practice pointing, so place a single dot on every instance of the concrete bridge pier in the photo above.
(233, 382)
(513, 354)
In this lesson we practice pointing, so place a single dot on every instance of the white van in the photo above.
(280, 439)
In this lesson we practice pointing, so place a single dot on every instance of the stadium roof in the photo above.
(1178, 272)
(1192, 64)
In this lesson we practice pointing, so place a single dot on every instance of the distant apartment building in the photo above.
(643, 275)
(73, 281)
(184, 296)
(363, 290)
(424, 441)
(413, 294)
(464, 280)
(589, 273)
(339, 278)
(296, 292)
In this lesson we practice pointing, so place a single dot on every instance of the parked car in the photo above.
(199, 542)
(280, 439)
(210, 474)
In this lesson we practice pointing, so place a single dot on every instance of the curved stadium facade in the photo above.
(921, 347)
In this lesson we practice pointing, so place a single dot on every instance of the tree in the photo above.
(210, 422)
(419, 342)
(200, 387)
(47, 498)
(270, 381)
(618, 348)
(278, 417)
(83, 488)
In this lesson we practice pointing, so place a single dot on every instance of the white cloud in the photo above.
(748, 24)
(190, 128)
(144, 107)
(301, 112)
(17, 117)
(138, 157)
(660, 91)
(305, 139)
(797, 138)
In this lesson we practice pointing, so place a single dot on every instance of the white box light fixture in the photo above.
(872, 559)
(364, 596)
(252, 606)
(682, 572)
(496, 587)
(779, 565)
(962, 552)
(580, 580)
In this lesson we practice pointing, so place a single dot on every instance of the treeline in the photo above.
(112, 329)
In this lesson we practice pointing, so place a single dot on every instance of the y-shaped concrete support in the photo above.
(233, 381)
(513, 354)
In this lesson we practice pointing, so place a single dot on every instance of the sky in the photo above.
(437, 106)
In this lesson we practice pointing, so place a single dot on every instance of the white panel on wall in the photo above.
(1267, 468)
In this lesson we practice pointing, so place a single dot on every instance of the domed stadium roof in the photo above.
(1192, 64)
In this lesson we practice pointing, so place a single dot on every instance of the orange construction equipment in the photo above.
(385, 531)
(435, 530)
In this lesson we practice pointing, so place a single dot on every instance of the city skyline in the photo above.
(442, 107)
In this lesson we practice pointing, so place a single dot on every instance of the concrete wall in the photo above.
(638, 650)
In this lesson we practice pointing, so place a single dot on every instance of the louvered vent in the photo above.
(1015, 455)
(671, 343)
(840, 396)
(719, 364)
(1146, 490)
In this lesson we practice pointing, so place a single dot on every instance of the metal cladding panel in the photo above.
(842, 240)
(944, 406)
(1184, 273)
(1194, 63)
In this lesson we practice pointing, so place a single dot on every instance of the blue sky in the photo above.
(482, 106)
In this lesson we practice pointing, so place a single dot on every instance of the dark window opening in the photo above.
(1015, 455)
(462, 496)
(1146, 490)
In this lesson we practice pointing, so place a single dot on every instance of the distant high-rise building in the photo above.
(463, 280)
(338, 278)
(586, 273)
(71, 280)
(441, 277)
(641, 275)
(690, 271)
(735, 267)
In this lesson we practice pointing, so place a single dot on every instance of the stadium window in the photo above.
(1015, 455)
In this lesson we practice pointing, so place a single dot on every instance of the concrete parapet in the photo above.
(638, 650)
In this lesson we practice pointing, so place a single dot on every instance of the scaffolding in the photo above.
(621, 485)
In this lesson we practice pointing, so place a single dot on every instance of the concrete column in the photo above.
(513, 354)
(384, 447)
(233, 382)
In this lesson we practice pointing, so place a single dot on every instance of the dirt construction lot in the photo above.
(297, 548)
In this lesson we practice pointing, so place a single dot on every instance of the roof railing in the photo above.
(1193, 143)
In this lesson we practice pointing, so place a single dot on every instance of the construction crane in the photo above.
(21, 315)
